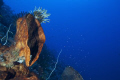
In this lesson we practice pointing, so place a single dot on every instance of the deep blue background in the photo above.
(88, 32)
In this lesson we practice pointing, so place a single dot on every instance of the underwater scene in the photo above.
(59, 39)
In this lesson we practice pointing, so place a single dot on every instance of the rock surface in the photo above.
(70, 74)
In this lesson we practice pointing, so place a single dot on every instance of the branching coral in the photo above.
(6, 36)
(41, 14)
(55, 65)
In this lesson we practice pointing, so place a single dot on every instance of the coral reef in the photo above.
(29, 40)
(6, 20)
(21, 49)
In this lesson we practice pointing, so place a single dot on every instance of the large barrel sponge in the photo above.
(29, 38)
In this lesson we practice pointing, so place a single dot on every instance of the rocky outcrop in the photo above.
(70, 74)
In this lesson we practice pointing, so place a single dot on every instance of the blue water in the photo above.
(87, 31)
